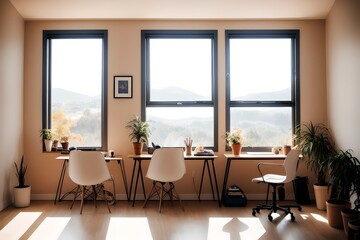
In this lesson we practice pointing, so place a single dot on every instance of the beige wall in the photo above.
(11, 97)
(343, 73)
(124, 59)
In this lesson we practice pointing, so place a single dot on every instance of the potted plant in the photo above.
(140, 132)
(46, 136)
(316, 145)
(234, 139)
(64, 140)
(343, 173)
(22, 191)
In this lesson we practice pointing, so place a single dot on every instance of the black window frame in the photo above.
(48, 35)
(294, 103)
(145, 79)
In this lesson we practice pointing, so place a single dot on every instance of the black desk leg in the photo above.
(132, 180)
(123, 173)
(210, 178)
(202, 178)
(139, 173)
(226, 175)
(142, 180)
(60, 183)
(216, 184)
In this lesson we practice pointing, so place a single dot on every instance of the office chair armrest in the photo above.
(269, 164)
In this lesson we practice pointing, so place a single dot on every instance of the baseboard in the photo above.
(289, 196)
(4, 204)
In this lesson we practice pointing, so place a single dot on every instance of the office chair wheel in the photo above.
(299, 208)
(270, 218)
(292, 218)
(254, 213)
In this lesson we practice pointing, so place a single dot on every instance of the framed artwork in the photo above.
(122, 86)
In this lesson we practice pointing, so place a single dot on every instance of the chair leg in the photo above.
(75, 196)
(95, 195)
(82, 198)
(273, 207)
(176, 195)
(161, 196)
(104, 197)
(154, 191)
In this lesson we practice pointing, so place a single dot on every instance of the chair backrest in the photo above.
(290, 165)
(88, 167)
(167, 165)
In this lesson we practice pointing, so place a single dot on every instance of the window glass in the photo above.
(75, 99)
(263, 126)
(169, 129)
(260, 69)
(263, 85)
(180, 70)
(179, 84)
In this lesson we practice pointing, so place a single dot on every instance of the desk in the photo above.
(139, 158)
(65, 159)
(245, 156)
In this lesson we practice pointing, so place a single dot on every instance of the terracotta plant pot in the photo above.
(236, 148)
(55, 145)
(348, 215)
(138, 148)
(322, 193)
(65, 145)
(354, 229)
(333, 208)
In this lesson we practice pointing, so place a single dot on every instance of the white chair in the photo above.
(167, 165)
(289, 165)
(88, 170)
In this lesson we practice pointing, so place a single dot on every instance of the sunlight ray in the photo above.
(19, 225)
(235, 228)
(50, 228)
(319, 217)
(129, 228)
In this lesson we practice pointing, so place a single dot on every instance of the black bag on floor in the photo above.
(301, 191)
(235, 197)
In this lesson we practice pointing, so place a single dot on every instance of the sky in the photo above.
(76, 64)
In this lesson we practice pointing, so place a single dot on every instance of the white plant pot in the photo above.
(22, 196)
(48, 145)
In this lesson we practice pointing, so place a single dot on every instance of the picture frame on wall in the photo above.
(123, 87)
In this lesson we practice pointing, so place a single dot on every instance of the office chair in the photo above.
(274, 180)
(88, 170)
(166, 166)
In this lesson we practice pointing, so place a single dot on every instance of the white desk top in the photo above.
(257, 156)
(115, 158)
(192, 157)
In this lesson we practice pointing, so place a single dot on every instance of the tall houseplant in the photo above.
(139, 133)
(344, 175)
(317, 146)
(22, 191)
(46, 136)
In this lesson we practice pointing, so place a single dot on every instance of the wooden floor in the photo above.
(200, 220)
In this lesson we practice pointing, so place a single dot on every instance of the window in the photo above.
(262, 85)
(75, 86)
(179, 86)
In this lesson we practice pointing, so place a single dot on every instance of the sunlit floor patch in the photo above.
(50, 228)
(19, 225)
(319, 217)
(235, 228)
(123, 228)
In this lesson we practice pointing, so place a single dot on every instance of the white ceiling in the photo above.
(172, 9)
